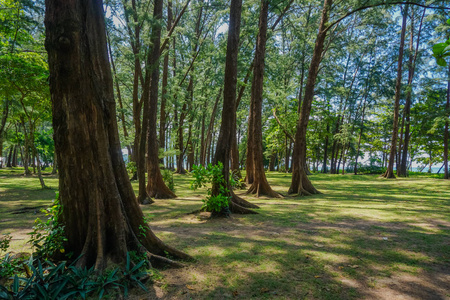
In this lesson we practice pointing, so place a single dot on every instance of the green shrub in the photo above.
(47, 237)
(211, 174)
(168, 179)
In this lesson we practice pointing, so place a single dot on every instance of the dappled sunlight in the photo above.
(365, 237)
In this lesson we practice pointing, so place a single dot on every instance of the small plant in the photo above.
(46, 280)
(131, 167)
(47, 237)
(5, 242)
(168, 179)
(212, 174)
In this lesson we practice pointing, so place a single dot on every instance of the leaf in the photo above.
(190, 287)
(317, 276)
(448, 21)
(264, 290)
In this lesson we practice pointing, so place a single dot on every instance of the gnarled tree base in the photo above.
(388, 174)
(157, 188)
(263, 188)
(301, 185)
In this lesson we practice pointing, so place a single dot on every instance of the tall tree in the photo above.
(155, 183)
(223, 148)
(259, 186)
(300, 183)
(100, 213)
(390, 169)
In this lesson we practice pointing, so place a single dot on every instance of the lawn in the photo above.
(364, 238)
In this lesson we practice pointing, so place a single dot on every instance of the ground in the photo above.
(364, 238)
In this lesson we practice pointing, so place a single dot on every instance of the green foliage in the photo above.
(46, 280)
(168, 179)
(131, 167)
(441, 51)
(47, 237)
(4, 243)
(9, 265)
(211, 174)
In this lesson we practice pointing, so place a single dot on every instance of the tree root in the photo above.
(162, 262)
(241, 202)
(263, 189)
(237, 209)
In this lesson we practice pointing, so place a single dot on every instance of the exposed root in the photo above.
(241, 202)
(237, 209)
(163, 262)
(263, 189)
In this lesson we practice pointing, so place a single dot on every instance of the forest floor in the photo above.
(364, 238)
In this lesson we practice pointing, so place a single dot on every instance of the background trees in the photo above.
(350, 122)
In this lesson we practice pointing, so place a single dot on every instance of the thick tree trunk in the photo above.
(260, 186)
(390, 169)
(300, 182)
(155, 184)
(101, 215)
(236, 204)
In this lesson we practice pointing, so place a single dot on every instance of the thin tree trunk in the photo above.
(300, 183)
(403, 170)
(236, 204)
(390, 169)
(155, 184)
(165, 77)
(260, 186)
(447, 107)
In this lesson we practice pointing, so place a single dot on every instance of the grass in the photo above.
(364, 237)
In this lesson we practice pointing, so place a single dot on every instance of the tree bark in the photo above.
(390, 169)
(100, 213)
(403, 170)
(155, 184)
(259, 186)
(447, 115)
(236, 204)
(162, 114)
(300, 182)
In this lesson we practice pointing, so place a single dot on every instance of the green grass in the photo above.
(363, 237)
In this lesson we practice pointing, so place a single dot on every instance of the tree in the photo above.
(155, 184)
(259, 186)
(100, 213)
(300, 183)
(390, 169)
(223, 149)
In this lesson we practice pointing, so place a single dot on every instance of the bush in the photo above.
(47, 237)
(211, 175)
(46, 280)
(168, 179)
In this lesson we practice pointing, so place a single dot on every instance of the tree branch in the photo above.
(381, 4)
(282, 126)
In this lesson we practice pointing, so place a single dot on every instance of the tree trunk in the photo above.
(300, 183)
(55, 164)
(14, 159)
(100, 213)
(325, 151)
(10, 156)
(260, 186)
(447, 107)
(403, 170)
(236, 204)
(155, 184)
(390, 169)
(162, 114)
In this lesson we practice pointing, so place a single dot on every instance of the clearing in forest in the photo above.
(365, 238)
